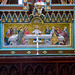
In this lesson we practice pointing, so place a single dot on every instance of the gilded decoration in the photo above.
(42, 27)
(3, 20)
(69, 19)
(64, 19)
(26, 20)
(20, 20)
(44, 52)
(24, 32)
(48, 8)
(9, 19)
(14, 20)
(60, 52)
(12, 52)
(28, 52)
(25, 8)
(58, 20)
(53, 20)
(47, 19)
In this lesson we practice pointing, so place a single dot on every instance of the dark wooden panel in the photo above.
(62, 7)
(37, 65)
(11, 8)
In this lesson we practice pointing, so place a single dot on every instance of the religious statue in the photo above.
(38, 7)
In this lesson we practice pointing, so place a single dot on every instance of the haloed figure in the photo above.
(47, 31)
(14, 31)
(11, 31)
(26, 32)
(20, 36)
(37, 32)
(66, 35)
(52, 30)
(7, 37)
(58, 30)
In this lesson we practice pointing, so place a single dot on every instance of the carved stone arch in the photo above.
(20, 18)
(3, 70)
(73, 70)
(43, 17)
(14, 70)
(9, 17)
(58, 17)
(26, 18)
(39, 70)
(47, 18)
(64, 17)
(64, 70)
(3, 17)
(49, 70)
(30, 17)
(28, 71)
(14, 18)
(53, 18)
(69, 17)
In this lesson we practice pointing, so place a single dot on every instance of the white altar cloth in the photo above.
(47, 36)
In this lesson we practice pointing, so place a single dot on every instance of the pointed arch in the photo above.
(26, 19)
(53, 17)
(43, 17)
(3, 70)
(47, 17)
(64, 17)
(49, 70)
(58, 17)
(64, 70)
(73, 70)
(69, 17)
(3, 18)
(39, 70)
(31, 17)
(9, 17)
(20, 19)
(14, 18)
(29, 71)
(14, 70)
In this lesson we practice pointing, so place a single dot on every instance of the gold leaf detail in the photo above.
(25, 8)
(29, 52)
(48, 7)
(60, 52)
(3, 20)
(44, 52)
(12, 52)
